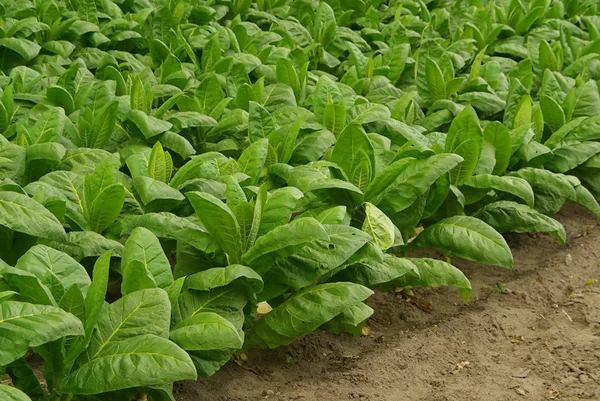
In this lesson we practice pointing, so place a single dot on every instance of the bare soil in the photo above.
(532, 333)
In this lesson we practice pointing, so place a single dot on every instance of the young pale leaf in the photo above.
(378, 226)
(467, 237)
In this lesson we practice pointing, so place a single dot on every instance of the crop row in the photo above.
(183, 180)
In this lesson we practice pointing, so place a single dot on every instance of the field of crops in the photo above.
(183, 180)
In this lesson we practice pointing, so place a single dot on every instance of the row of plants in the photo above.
(169, 169)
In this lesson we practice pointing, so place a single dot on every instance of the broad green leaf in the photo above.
(351, 148)
(156, 195)
(148, 126)
(23, 47)
(223, 276)
(511, 185)
(253, 159)
(207, 331)
(106, 207)
(278, 208)
(12, 394)
(136, 277)
(220, 222)
(569, 156)
(435, 80)
(158, 361)
(304, 312)
(334, 118)
(551, 190)
(298, 232)
(55, 269)
(143, 246)
(507, 216)
(93, 304)
(135, 314)
(25, 325)
(260, 122)
(367, 113)
(413, 177)
(22, 214)
(469, 238)
(170, 226)
(196, 167)
(465, 138)
(434, 273)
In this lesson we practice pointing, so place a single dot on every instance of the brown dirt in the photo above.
(532, 333)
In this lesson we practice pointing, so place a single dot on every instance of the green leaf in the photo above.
(12, 394)
(553, 113)
(220, 222)
(135, 314)
(334, 118)
(23, 47)
(351, 148)
(222, 276)
(569, 156)
(511, 185)
(304, 312)
(278, 208)
(435, 80)
(469, 238)
(378, 226)
(507, 216)
(253, 159)
(136, 277)
(106, 207)
(156, 195)
(170, 226)
(298, 232)
(25, 325)
(22, 214)
(465, 139)
(260, 122)
(400, 184)
(158, 361)
(207, 331)
(434, 273)
(551, 190)
(55, 269)
(366, 113)
(149, 126)
(143, 246)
